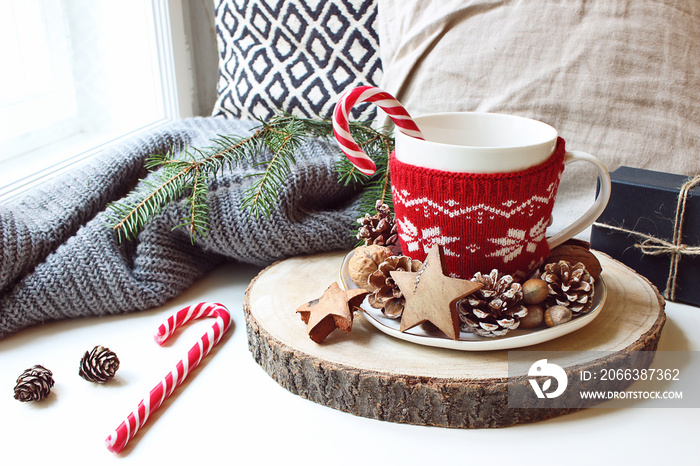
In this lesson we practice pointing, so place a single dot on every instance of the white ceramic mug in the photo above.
(473, 142)
(483, 185)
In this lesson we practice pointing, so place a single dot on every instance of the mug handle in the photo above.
(595, 210)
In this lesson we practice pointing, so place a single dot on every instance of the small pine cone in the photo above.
(378, 229)
(34, 384)
(570, 286)
(99, 365)
(495, 309)
(386, 295)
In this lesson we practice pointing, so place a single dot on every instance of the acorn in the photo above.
(557, 315)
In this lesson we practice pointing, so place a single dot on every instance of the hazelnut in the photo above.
(557, 315)
(535, 291)
(364, 262)
(534, 317)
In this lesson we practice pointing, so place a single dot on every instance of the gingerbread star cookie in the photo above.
(335, 309)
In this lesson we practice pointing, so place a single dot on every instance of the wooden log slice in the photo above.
(371, 374)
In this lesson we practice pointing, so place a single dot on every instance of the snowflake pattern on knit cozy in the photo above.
(512, 245)
(422, 240)
(466, 230)
(484, 221)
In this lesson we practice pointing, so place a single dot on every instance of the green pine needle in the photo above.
(184, 173)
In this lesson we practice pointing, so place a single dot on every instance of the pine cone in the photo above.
(495, 309)
(34, 384)
(99, 365)
(570, 286)
(378, 229)
(386, 295)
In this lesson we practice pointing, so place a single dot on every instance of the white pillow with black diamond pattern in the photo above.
(296, 56)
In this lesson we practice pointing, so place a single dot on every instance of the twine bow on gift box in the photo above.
(655, 246)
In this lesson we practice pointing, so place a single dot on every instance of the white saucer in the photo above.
(469, 341)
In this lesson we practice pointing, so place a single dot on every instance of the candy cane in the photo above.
(136, 419)
(341, 124)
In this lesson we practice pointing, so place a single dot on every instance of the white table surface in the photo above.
(230, 411)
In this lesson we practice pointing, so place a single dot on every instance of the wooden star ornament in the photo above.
(431, 296)
(335, 309)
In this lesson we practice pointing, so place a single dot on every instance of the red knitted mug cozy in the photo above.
(483, 220)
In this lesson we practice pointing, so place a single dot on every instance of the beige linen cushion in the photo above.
(619, 79)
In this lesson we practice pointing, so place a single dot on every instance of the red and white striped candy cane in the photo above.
(135, 420)
(341, 122)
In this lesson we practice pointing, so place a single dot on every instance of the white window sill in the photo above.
(183, 30)
(21, 173)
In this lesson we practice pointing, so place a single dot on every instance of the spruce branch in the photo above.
(283, 141)
(197, 220)
(184, 173)
(131, 215)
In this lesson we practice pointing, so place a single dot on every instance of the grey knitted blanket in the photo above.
(61, 260)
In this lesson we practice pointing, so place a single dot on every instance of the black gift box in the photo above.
(640, 228)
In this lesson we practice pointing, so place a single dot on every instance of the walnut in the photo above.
(364, 262)
(574, 252)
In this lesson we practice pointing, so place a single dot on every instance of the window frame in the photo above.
(175, 65)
